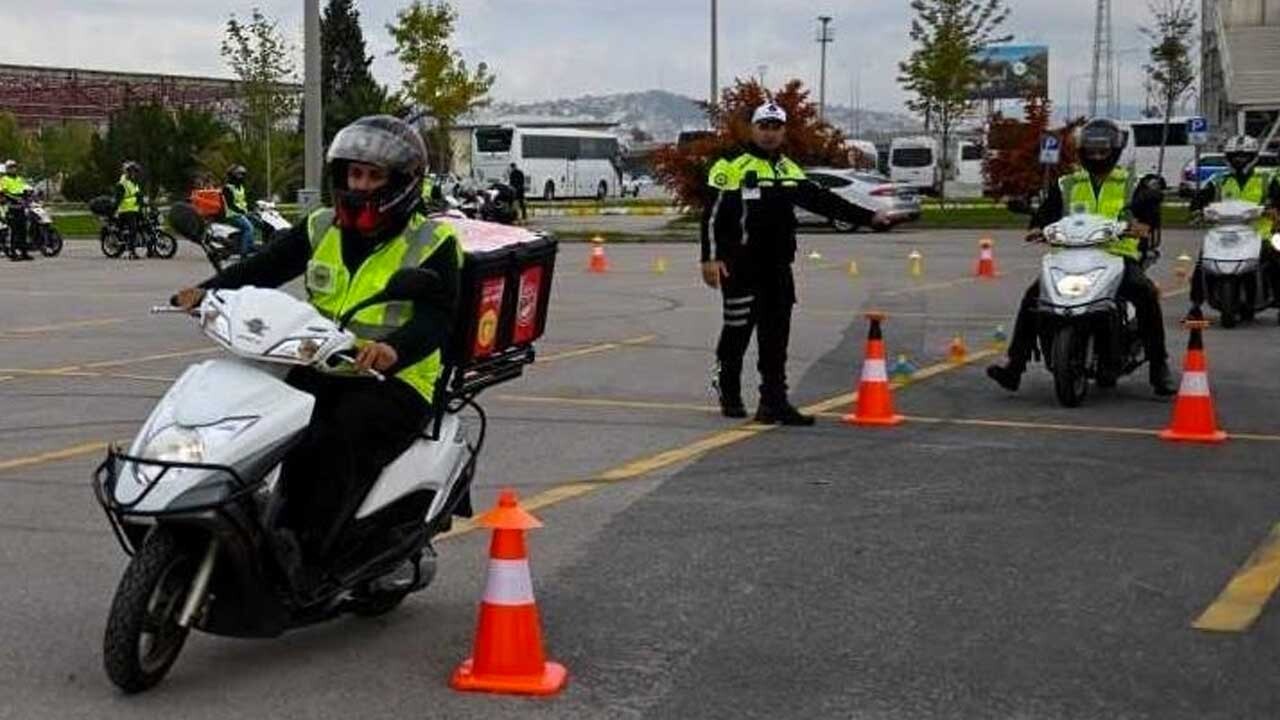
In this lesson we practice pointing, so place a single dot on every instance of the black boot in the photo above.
(1162, 379)
(727, 385)
(1009, 375)
(781, 412)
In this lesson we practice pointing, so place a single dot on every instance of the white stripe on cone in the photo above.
(1194, 384)
(986, 255)
(508, 583)
(873, 370)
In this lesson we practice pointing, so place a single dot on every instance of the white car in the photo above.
(891, 203)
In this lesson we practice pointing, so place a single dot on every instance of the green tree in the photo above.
(438, 79)
(1171, 74)
(264, 62)
(14, 143)
(348, 90)
(941, 71)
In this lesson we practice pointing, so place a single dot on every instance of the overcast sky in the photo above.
(543, 49)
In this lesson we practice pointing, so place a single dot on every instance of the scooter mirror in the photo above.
(1275, 242)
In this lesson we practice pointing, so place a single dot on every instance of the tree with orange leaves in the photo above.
(1012, 168)
(810, 141)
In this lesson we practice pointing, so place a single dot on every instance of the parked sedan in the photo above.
(891, 204)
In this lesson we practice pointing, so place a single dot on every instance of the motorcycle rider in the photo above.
(346, 254)
(748, 245)
(235, 207)
(12, 189)
(1102, 188)
(1248, 183)
(128, 195)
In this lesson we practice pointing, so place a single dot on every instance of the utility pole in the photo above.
(825, 37)
(762, 70)
(715, 82)
(312, 119)
(1102, 94)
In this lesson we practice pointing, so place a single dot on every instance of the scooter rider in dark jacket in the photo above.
(1100, 188)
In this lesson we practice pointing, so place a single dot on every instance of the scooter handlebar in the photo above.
(370, 372)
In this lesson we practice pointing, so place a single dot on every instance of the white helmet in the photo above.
(1241, 151)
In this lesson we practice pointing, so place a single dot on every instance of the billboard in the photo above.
(1007, 72)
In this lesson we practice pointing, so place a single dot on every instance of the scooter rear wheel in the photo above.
(143, 638)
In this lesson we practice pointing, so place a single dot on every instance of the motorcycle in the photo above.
(41, 234)
(1230, 260)
(150, 236)
(221, 241)
(196, 499)
(496, 204)
(1085, 329)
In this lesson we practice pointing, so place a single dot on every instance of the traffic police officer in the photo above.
(1100, 188)
(1248, 183)
(346, 255)
(128, 194)
(748, 246)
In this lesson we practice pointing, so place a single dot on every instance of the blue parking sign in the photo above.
(1050, 150)
(1198, 131)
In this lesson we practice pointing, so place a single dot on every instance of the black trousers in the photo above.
(129, 226)
(756, 300)
(358, 427)
(17, 219)
(1270, 266)
(524, 209)
(1135, 287)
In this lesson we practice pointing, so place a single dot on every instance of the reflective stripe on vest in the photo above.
(1254, 191)
(237, 194)
(1077, 193)
(333, 290)
(128, 203)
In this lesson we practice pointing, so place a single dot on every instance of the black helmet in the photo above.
(131, 168)
(1100, 143)
(237, 174)
(391, 144)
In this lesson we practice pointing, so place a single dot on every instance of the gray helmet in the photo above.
(391, 144)
(1100, 143)
(1241, 151)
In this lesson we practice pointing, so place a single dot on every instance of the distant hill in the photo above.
(660, 114)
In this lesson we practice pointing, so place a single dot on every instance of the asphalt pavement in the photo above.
(996, 556)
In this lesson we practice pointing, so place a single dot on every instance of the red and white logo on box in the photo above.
(527, 310)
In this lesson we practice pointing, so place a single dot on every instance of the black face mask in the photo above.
(1239, 161)
(1096, 163)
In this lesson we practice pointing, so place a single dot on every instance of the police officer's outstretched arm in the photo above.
(820, 201)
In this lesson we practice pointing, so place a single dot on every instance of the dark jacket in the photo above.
(517, 181)
(749, 214)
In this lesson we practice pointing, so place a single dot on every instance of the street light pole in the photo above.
(312, 119)
(715, 83)
(824, 39)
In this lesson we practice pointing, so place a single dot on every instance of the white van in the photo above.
(914, 162)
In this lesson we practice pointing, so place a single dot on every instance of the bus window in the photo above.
(970, 152)
(494, 141)
(549, 147)
(912, 157)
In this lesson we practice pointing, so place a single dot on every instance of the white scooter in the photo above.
(196, 497)
(1230, 262)
(1085, 329)
(221, 241)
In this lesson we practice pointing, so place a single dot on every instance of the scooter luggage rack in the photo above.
(107, 475)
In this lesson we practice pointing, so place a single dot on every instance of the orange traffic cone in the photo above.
(957, 352)
(507, 655)
(986, 259)
(1193, 416)
(875, 398)
(599, 262)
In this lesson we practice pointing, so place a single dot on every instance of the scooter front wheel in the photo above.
(143, 637)
(1070, 358)
(1229, 302)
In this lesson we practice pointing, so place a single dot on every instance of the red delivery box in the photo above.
(506, 290)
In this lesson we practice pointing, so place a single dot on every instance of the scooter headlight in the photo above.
(178, 444)
(1102, 235)
(1074, 285)
(301, 350)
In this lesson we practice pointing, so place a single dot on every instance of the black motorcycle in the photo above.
(150, 237)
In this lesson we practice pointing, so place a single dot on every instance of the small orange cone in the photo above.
(957, 352)
(599, 262)
(986, 259)
(875, 398)
(507, 655)
(1193, 417)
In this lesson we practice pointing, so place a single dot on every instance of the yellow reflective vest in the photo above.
(1078, 197)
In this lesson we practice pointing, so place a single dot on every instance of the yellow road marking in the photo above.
(53, 455)
(595, 349)
(605, 403)
(65, 326)
(652, 463)
(1241, 602)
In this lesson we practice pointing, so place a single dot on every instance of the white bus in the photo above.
(1143, 152)
(557, 163)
